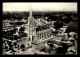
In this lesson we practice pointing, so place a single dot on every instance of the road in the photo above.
(33, 51)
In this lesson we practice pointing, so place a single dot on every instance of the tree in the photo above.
(22, 29)
(22, 46)
(7, 48)
(6, 15)
(58, 24)
(66, 19)
(16, 37)
(50, 49)
(15, 44)
(72, 27)
(14, 30)
(25, 35)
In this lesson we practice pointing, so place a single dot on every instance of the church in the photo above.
(37, 33)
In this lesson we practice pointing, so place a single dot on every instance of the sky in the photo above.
(45, 6)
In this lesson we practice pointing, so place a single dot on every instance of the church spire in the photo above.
(30, 14)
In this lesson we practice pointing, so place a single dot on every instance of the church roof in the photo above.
(42, 27)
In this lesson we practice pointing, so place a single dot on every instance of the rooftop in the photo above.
(42, 27)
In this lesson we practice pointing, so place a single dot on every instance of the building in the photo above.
(62, 30)
(43, 32)
(6, 26)
(38, 29)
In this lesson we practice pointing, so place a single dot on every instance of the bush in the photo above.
(58, 24)
(72, 27)
(25, 35)
(22, 46)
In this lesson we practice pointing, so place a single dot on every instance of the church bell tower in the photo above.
(32, 29)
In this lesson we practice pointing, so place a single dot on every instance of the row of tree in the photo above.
(50, 15)
(72, 26)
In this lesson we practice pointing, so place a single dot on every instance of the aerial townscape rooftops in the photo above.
(35, 33)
